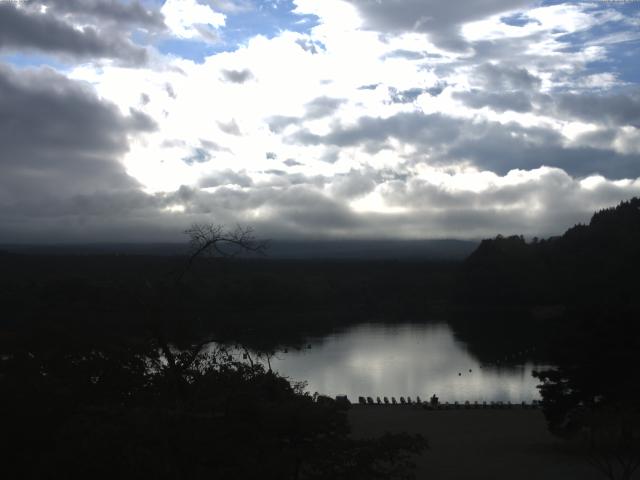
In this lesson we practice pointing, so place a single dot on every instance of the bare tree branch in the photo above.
(215, 240)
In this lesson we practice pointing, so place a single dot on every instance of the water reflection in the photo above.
(394, 360)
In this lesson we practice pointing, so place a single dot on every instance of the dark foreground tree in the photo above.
(592, 396)
(80, 399)
(91, 410)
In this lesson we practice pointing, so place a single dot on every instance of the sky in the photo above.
(129, 121)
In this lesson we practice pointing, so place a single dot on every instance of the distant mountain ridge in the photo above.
(445, 250)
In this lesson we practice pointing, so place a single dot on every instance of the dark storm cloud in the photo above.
(506, 77)
(421, 194)
(611, 109)
(24, 29)
(500, 148)
(309, 211)
(487, 145)
(501, 52)
(374, 132)
(237, 76)
(441, 20)
(355, 183)
(560, 202)
(500, 102)
(504, 87)
(597, 139)
(59, 141)
(129, 13)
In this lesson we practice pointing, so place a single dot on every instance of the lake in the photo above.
(400, 360)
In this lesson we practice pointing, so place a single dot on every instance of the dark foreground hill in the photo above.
(595, 262)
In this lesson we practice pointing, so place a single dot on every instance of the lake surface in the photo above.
(400, 360)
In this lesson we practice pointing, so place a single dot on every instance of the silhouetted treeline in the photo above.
(596, 262)
(262, 303)
(523, 292)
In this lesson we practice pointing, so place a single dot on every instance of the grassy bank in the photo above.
(478, 444)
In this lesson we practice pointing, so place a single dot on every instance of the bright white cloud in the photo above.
(192, 20)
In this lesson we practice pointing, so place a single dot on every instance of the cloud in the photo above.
(543, 202)
(499, 102)
(405, 96)
(132, 13)
(616, 109)
(506, 77)
(490, 145)
(226, 177)
(59, 141)
(278, 123)
(411, 54)
(322, 107)
(310, 46)
(500, 148)
(237, 76)
(25, 29)
(198, 155)
(441, 20)
(188, 19)
(374, 132)
(230, 127)
(290, 162)
(354, 184)
(232, 6)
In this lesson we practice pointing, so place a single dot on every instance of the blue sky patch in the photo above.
(267, 18)
(26, 60)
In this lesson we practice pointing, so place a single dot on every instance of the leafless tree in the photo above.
(217, 240)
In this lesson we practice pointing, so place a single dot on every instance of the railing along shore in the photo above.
(431, 404)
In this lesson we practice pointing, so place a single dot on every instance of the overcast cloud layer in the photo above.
(129, 120)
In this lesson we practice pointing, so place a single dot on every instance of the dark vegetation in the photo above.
(107, 371)
(577, 296)
(261, 302)
(83, 406)
(108, 349)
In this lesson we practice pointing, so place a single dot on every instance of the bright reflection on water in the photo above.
(400, 360)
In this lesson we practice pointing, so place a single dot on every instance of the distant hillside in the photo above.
(598, 261)
(373, 249)
(445, 250)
